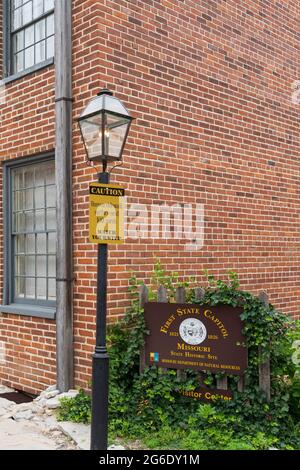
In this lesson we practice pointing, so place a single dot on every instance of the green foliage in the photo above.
(170, 282)
(76, 409)
(294, 336)
(148, 406)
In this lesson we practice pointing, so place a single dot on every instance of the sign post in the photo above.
(106, 227)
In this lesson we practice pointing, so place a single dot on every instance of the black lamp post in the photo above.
(104, 126)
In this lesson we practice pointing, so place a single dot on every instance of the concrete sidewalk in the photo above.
(18, 436)
(33, 426)
(25, 427)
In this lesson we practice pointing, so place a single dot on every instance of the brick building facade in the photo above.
(209, 83)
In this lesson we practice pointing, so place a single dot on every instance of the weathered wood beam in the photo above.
(63, 157)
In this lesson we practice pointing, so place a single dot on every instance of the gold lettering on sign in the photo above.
(188, 311)
(187, 347)
(100, 191)
(165, 327)
(209, 314)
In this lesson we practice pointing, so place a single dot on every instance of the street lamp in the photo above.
(104, 126)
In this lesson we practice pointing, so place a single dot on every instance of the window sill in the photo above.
(29, 311)
(24, 73)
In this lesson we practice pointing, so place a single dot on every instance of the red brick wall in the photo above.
(1, 40)
(26, 128)
(29, 352)
(210, 85)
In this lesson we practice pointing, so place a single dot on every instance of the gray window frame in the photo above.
(37, 308)
(8, 74)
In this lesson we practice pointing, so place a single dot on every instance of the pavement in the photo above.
(29, 427)
(18, 436)
(33, 425)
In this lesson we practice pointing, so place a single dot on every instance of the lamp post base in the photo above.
(100, 400)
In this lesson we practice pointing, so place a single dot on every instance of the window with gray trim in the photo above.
(32, 233)
(31, 33)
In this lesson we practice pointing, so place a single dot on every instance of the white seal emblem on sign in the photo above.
(192, 331)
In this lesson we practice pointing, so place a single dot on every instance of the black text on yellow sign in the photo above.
(106, 213)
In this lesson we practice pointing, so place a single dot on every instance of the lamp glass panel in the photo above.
(116, 130)
(91, 129)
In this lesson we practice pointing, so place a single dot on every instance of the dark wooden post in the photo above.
(264, 367)
(199, 294)
(241, 384)
(180, 295)
(162, 295)
(143, 298)
(180, 299)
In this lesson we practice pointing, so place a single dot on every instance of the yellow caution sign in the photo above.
(106, 213)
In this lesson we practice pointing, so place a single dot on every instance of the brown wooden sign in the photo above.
(186, 336)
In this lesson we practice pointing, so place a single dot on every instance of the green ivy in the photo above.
(148, 406)
(150, 402)
(294, 402)
(76, 409)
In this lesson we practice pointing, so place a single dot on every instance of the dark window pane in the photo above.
(51, 289)
(30, 244)
(30, 288)
(39, 198)
(20, 287)
(19, 222)
(20, 245)
(50, 47)
(28, 199)
(17, 3)
(40, 220)
(50, 25)
(18, 201)
(19, 41)
(52, 243)
(41, 266)
(34, 260)
(18, 179)
(49, 5)
(17, 18)
(41, 243)
(30, 265)
(40, 51)
(52, 266)
(19, 62)
(41, 289)
(27, 12)
(29, 36)
(40, 30)
(29, 57)
(20, 266)
(38, 8)
(35, 35)
(51, 196)
(40, 176)
(51, 219)
(29, 221)
(29, 176)
(49, 173)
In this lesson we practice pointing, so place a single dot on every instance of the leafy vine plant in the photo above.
(147, 404)
(264, 327)
(160, 277)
